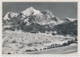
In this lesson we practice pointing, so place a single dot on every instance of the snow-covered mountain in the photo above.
(34, 20)
(31, 15)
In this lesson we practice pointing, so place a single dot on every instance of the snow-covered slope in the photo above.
(10, 15)
(6, 17)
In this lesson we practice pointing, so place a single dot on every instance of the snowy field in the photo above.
(18, 42)
(70, 49)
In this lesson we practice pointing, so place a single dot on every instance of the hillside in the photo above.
(67, 28)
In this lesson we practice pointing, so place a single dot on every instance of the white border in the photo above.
(39, 55)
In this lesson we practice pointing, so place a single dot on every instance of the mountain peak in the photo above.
(6, 16)
(30, 11)
(30, 8)
(70, 19)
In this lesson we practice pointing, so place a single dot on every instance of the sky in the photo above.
(59, 9)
